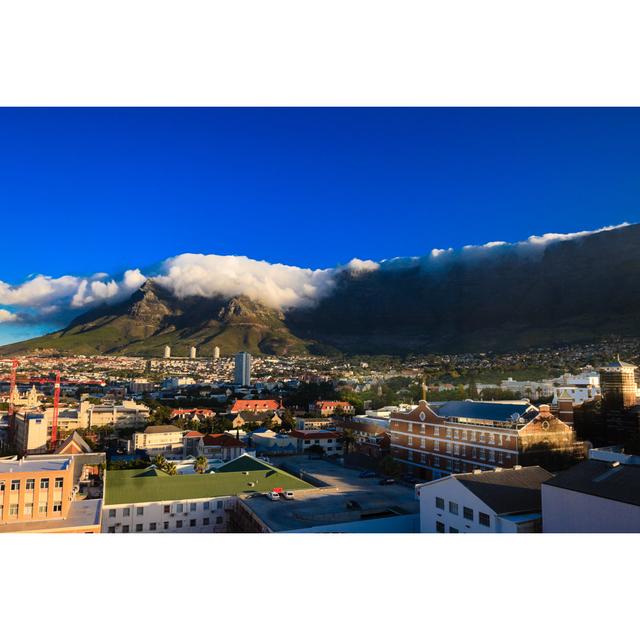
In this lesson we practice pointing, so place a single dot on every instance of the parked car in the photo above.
(387, 481)
(288, 495)
(273, 495)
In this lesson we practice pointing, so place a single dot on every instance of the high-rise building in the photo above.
(618, 385)
(216, 353)
(192, 352)
(167, 351)
(243, 369)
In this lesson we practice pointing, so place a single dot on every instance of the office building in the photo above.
(242, 374)
(618, 385)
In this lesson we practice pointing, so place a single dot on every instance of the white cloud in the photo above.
(8, 316)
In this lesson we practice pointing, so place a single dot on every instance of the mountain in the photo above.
(153, 318)
(515, 297)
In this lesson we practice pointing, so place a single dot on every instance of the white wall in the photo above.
(565, 511)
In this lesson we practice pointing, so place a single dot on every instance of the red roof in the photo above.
(313, 434)
(332, 403)
(254, 405)
(199, 412)
(193, 434)
(221, 440)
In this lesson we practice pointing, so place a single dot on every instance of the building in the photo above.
(149, 500)
(370, 439)
(242, 373)
(618, 385)
(303, 423)
(122, 415)
(156, 440)
(192, 352)
(462, 436)
(33, 432)
(167, 351)
(594, 496)
(37, 495)
(256, 417)
(268, 442)
(254, 405)
(192, 414)
(216, 353)
(497, 501)
(328, 441)
(330, 407)
(222, 446)
(140, 385)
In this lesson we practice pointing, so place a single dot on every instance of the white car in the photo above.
(273, 495)
(287, 495)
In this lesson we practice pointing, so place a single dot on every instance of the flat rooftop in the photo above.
(26, 465)
(82, 514)
(344, 497)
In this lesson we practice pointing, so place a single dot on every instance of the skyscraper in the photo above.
(618, 385)
(216, 353)
(192, 352)
(243, 369)
(167, 351)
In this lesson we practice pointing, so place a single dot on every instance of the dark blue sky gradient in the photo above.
(86, 190)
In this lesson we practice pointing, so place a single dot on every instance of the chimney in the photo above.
(545, 410)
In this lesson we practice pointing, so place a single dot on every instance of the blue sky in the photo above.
(106, 190)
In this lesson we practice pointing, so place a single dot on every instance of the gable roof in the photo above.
(619, 482)
(254, 405)
(508, 490)
(74, 441)
(221, 440)
(162, 428)
(496, 411)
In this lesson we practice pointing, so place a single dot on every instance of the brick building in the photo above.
(461, 436)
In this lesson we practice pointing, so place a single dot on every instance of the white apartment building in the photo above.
(160, 439)
(497, 501)
(32, 432)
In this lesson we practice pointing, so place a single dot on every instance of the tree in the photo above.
(171, 469)
(200, 465)
(348, 440)
(288, 421)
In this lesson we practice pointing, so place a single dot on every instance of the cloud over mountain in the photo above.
(276, 285)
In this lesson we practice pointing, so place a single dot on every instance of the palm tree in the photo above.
(160, 461)
(200, 464)
(348, 439)
(171, 469)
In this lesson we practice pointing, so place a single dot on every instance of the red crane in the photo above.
(56, 402)
(12, 388)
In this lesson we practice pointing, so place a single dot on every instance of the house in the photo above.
(165, 439)
(256, 417)
(254, 405)
(266, 441)
(149, 500)
(496, 501)
(222, 445)
(304, 440)
(313, 423)
(463, 436)
(594, 496)
(192, 414)
(192, 444)
(330, 407)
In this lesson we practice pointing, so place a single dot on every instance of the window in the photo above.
(126, 512)
(1, 486)
(205, 521)
(205, 506)
(193, 506)
(125, 528)
(13, 510)
(166, 525)
(58, 483)
(192, 522)
(453, 530)
(166, 508)
(448, 433)
(179, 508)
(436, 431)
(484, 519)
(410, 428)
(30, 484)
(464, 435)
(410, 456)
(439, 503)
(410, 441)
(28, 509)
(467, 513)
(138, 528)
(44, 483)
(43, 507)
(219, 505)
(152, 526)
(57, 507)
(112, 513)
(219, 520)
(436, 445)
(440, 527)
(111, 530)
(422, 443)
(15, 485)
(453, 508)
(178, 524)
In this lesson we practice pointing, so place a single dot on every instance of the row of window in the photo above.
(30, 484)
(178, 508)
(467, 513)
(464, 434)
(155, 526)
(27, 509)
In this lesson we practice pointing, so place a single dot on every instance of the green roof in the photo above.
(133, 486)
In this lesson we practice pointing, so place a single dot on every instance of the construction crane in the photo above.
(56, 402)
(12, 389)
